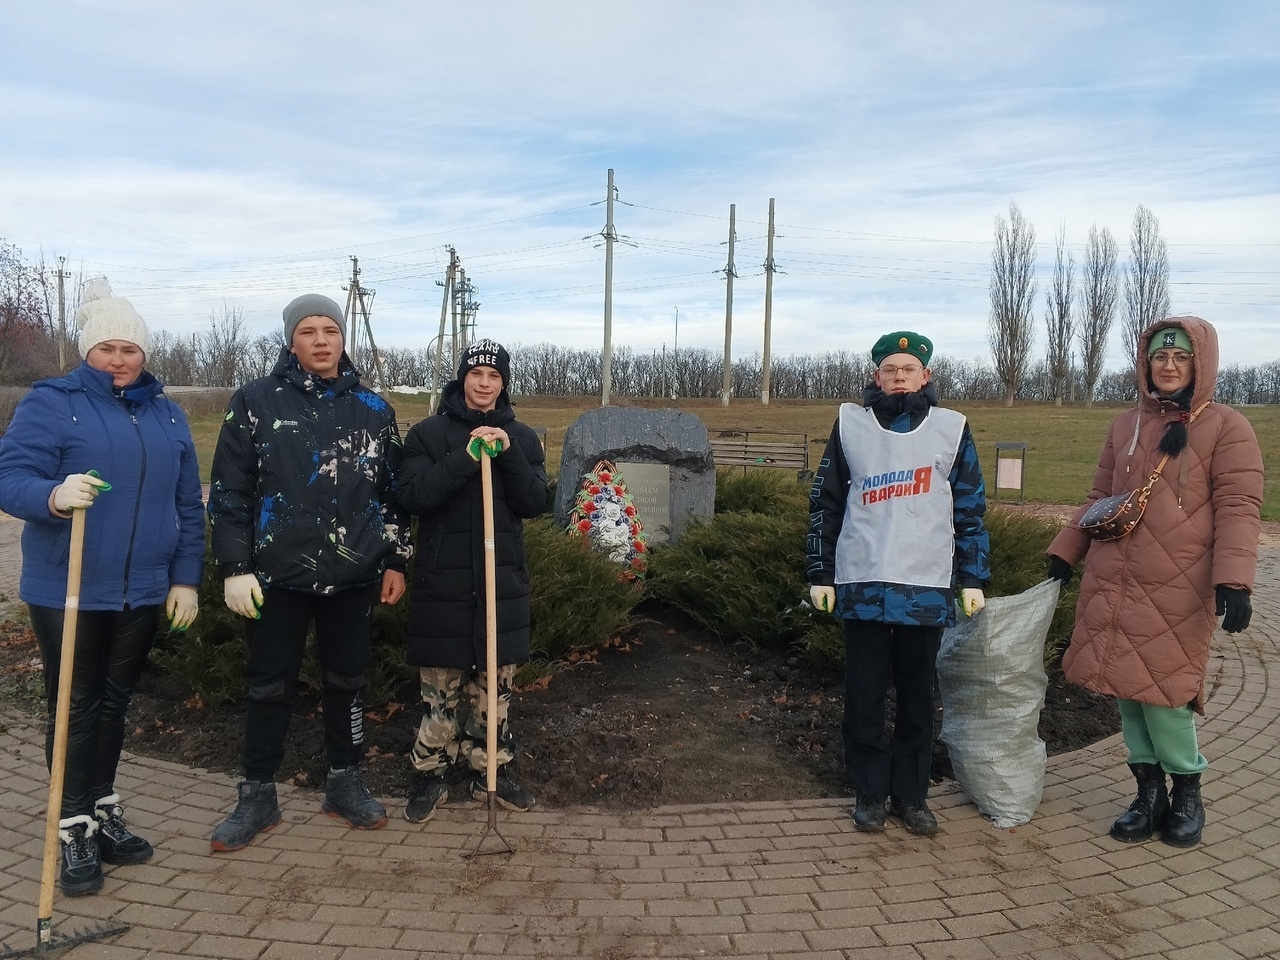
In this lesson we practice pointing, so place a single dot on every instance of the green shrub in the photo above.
(739, 576)
(577, 600)
(771, 492)
(211, 658)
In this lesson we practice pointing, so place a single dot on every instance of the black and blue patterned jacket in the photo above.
(896, 602)
(304, 476)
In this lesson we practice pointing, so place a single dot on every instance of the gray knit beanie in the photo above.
(312, 305)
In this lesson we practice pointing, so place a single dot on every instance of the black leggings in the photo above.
(277, 642)
(111, 649)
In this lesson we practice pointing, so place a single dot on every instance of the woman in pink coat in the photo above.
(1149, 602)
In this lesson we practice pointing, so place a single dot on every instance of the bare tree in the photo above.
(27, 351)
(1013, 291)
(1098, 295)
(222, 349)
(1058, 302)
(1146, 281)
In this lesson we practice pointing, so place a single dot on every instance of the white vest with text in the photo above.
(899, 522)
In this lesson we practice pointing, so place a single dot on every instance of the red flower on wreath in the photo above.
(593, 489)
(584, 526)
(618, 491)
(605, 476)
(637, 563)
(638, 546)
(629, 510)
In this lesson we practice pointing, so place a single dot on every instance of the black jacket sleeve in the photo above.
(234, 479)
(827, 500)
(524, 472)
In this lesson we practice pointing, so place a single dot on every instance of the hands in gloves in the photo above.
(77, 492)
(823, 598)
(971, 600)
(243, 595)
(1234, 606)
(181, 606)
(1059, 569)
(490, 441)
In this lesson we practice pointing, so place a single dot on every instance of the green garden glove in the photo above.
(478, 446)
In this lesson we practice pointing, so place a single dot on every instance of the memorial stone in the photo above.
(664, 457)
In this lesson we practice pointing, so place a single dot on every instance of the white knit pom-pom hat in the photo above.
(104, 317)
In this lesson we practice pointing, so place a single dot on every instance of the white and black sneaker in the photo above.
(117, 844)
(429, 791)
(81, 865)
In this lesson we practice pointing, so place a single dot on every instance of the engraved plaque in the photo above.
(650, 487)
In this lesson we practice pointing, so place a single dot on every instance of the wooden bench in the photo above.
(780, 451)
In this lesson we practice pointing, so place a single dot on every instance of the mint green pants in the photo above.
(1163, 735)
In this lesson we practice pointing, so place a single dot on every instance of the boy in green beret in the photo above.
(896, 538)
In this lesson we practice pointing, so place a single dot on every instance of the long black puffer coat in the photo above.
(440, 483)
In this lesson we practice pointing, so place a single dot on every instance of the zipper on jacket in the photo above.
(137, 507)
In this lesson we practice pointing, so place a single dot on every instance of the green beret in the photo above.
(904, 341)
(1170, 338)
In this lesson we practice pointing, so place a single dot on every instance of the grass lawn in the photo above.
(1062, 442)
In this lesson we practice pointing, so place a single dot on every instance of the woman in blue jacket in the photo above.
(144, 554)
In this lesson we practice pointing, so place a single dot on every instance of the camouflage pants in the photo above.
(443, 741)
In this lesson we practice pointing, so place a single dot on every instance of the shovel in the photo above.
(46, 939)
(487, 453)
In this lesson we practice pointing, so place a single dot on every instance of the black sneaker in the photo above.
(915, 816)
(81, 867)
(347, 798)
(869, 814)
(510, 794)
(117, 844)
(256, 810)
(429, 791)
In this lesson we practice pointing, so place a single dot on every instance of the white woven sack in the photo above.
(991, 674)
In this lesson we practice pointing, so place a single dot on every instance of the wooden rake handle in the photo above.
(62, 723)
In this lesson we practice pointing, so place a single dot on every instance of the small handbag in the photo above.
(1114, 517)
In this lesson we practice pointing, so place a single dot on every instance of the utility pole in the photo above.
(606, 366)
(444, 313)
(675, 358)
(768, 310)
(62, 316)
(726, 384)
(356, 302)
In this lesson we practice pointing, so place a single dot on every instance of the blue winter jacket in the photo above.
(143, 535)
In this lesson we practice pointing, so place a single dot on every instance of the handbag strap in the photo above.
(1155, 474)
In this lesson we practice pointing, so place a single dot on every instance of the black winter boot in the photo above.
(869, 814)
(81, 867)
(1148, 811)
(347, 798)
(117, 843)
(1185, 823)
(256, 810)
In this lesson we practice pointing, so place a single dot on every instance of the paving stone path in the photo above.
(749, 880)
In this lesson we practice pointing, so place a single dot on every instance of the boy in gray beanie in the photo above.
(306, 530)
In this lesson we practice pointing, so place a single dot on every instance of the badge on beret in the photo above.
(903, 342)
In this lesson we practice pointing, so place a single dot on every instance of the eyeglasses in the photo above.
(1162, 359)
(892, 371)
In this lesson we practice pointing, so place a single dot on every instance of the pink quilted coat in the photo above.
(1146, 610)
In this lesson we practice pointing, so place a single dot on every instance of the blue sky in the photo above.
(240, 153)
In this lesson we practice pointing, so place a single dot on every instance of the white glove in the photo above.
(971, 600)
(181, 606)
(823, 598)
(243, 595)
(77, 492)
